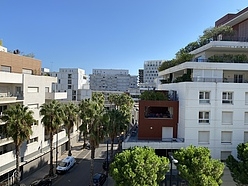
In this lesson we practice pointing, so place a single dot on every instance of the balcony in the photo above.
(10, 98)
(55, 95)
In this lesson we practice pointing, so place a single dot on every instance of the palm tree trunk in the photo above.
(51, 171)
(112, 147)
(69, 143)
(92, 165)
(17, 177)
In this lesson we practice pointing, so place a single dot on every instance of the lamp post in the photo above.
(172, 160)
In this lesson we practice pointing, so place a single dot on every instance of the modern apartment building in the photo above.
(212, 106)
(74, 81)
(112, 80)
(150, 74)
(21, 82)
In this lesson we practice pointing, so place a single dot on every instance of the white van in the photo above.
(65, 165)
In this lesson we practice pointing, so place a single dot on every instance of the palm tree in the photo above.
(117, 123)
(70, 117)
(52, 118)
(92, 114)
(19, 121)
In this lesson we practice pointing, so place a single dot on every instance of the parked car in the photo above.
(42, 182)
(65, 165)
(99, 179)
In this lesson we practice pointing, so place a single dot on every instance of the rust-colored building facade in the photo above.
(16, 63)
(158, 120)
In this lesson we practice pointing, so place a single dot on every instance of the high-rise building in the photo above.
(112, 80)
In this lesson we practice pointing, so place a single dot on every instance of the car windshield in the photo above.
(62, 164)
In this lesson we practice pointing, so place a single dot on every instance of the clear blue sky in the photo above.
(107, 34)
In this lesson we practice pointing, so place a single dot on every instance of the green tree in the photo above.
(213, 32)
(139, 166)
(239, 167)
(94, 117)
(52, 118)
(117, 123)
(197, 167)
(19, 121)
(70, 117)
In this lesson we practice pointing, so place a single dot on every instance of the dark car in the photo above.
(99, 179)
(42, 182)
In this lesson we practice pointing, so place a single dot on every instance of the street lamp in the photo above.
(172, 160)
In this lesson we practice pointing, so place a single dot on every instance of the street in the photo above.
(80, 174)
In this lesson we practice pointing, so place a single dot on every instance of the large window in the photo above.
(203, 137)
(227, 97)
(5, 68)
(227, 118)
(204, 97)
(226, 137)
(158, 112)
(204, 117)
(238, 78)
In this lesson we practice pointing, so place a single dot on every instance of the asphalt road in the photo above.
(79, 174)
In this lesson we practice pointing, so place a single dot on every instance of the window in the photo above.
(246, 118)
(69, 75)
(32, 140)
(69, 86)
(203, 117)
(46, 89)
(224, 155)
(26, 71)
(245, 136)
(238, 78)
(227, 97)
(246, 98)
(227, 118)
(203, 137)
(69, 81)
(204, 97)
(5, 68)
(226, 137)
(33, 106)
(33, 89)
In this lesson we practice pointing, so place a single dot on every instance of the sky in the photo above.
(107, 34)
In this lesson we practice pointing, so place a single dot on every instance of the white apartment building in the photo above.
(214, 106)
(74, 81)
(112, 80)
(31, 90)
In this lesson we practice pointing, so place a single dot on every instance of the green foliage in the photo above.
(239, 168)
(1, 42)
(229, 58)
(153, 95)
(139, 166)
(183, 54)
(197, 167)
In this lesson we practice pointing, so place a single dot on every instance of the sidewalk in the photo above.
(76, 150)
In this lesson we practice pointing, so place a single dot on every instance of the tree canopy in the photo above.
(197, 167)
(139, 166)
(239, 167)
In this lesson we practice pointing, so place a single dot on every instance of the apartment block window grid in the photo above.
(227, 97)
(204, 97)
(204, 117)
